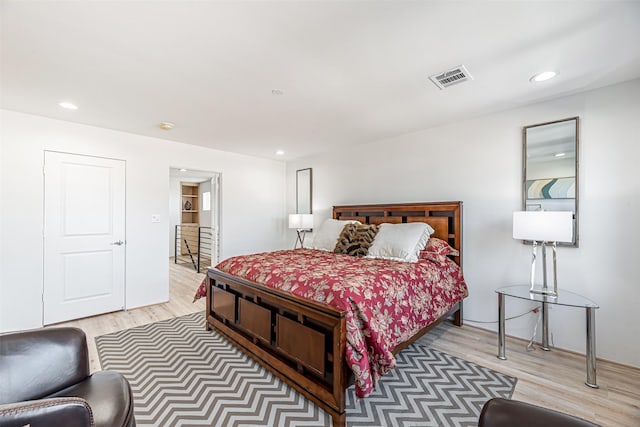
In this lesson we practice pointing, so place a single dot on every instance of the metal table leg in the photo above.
(545, 327)
(591, 348)
(501, 333)
(300, 239)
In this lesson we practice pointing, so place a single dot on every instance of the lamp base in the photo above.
(300, 238)
(544, 291)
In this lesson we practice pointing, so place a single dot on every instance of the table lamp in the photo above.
(302, 223)
(548, 228)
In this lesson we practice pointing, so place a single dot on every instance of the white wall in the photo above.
(252, 217)
(478, 161)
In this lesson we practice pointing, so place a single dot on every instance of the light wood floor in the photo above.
(183, 282)
(551, 379)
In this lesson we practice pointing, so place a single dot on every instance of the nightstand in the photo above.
(565, 298)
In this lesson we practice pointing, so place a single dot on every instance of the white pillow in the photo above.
(400, 242)
(326, 236)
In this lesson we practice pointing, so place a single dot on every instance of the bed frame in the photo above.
(303, 342)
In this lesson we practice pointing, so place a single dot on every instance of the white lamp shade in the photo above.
(301, 221)
(543, 226)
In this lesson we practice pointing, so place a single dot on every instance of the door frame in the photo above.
(192, 175)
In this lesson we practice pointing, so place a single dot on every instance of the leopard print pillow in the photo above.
(355, 239)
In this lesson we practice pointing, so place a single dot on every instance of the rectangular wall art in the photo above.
(551, 188)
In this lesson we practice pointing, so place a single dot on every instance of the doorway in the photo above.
(194, 206)
(84, 236)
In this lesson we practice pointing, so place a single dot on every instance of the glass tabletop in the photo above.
(564, 297)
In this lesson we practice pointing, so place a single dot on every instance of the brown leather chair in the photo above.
(509, 413)
(45, 381)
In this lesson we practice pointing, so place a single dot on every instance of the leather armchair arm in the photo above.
(54, 412)
(508, 413)
(35, 364)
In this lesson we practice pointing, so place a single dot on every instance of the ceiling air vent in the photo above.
(451, 77)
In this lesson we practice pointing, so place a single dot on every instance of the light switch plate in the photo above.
(155, 218)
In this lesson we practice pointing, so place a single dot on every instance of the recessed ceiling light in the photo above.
(183, 170)
(166, 125)
(277, 92)
(561, 154)
(540, 77)
(68, 105)
(280, 153)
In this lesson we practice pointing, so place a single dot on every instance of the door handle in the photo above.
(118, 243)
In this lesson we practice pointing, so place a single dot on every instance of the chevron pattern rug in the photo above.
(182, 375)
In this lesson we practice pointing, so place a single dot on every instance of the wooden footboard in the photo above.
(300, 341)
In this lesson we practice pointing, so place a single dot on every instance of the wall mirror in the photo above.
(303, 191)
(550, 168)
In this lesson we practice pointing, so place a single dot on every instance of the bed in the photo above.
(306, 342)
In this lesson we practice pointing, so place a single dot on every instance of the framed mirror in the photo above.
(550, 168)
(303, 191)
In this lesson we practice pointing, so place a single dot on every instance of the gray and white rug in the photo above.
(182, 375)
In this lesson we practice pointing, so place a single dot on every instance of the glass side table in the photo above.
(566, 298)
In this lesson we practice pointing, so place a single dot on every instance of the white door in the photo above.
(84, 236)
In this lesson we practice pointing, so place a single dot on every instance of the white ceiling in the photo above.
(351, 71)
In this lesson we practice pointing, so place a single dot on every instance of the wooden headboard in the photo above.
(444, 217)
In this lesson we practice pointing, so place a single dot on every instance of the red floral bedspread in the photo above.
(386, 302)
